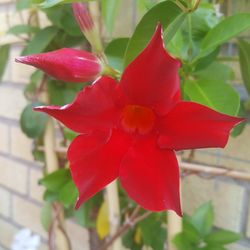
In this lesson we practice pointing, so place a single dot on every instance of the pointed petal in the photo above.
(95, 160)
(190, 125)
(93, 108)
(152, 78)
(70, 65)
(151, 176)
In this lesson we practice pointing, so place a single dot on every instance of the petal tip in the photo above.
(21, 59)
(78, 203)
(39, 108)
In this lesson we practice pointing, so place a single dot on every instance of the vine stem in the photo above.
(52, 164)
(133, 220)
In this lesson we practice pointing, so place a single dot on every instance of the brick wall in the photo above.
(21, 197)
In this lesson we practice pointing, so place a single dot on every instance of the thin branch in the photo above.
(125, 227)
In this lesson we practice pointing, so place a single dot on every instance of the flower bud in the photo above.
(87, 26)
(69, 65)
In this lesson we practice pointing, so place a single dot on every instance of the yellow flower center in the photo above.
(137, 118)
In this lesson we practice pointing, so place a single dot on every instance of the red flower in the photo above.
(130, 131)
(70, 65)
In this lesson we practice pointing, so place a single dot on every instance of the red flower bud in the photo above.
(83, 16)
(87, 26)
(69, 65)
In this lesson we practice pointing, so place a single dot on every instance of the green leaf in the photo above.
(128, 240)
(33, 123)
(215, 71)
(69, 134)
(40, 41)
(46, 215)
(51, 3)
(240, 127)
(68, 194)
(31, 88)
(62, 93)
(115, 51)
(204, 62)
(153, 234)
(56, 180)
(203, 218)
(109, 13)
(25, 4)
(4, 56)
(165, 13)
(222, 237)
(172, 28)
(225, 30)
(244, 54)
(190, 231)
(62, 17)
(22, 29)
(182, 242)
(215, 94)
(50, 196)
(84, 215)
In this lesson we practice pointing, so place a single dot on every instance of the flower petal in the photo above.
(190, 125)
(151, 176)
(93, 108)
(95, 160)
(152, 78)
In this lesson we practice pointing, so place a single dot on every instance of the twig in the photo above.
(124, 228)
(40, 87)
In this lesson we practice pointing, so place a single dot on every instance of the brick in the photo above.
(27, 214)
(78, 235)
(13, 175)
(12, 102)
(20, 144)
(36, 190)
(5, 202)
(4, 135)
(7, 234)
(196, 191)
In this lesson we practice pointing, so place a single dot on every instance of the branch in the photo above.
(133, 220)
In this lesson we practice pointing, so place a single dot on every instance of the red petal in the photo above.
(152, 78)
(70, 65)
(151, 176)
(190, 125)
(95, 161)
(93, 108)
